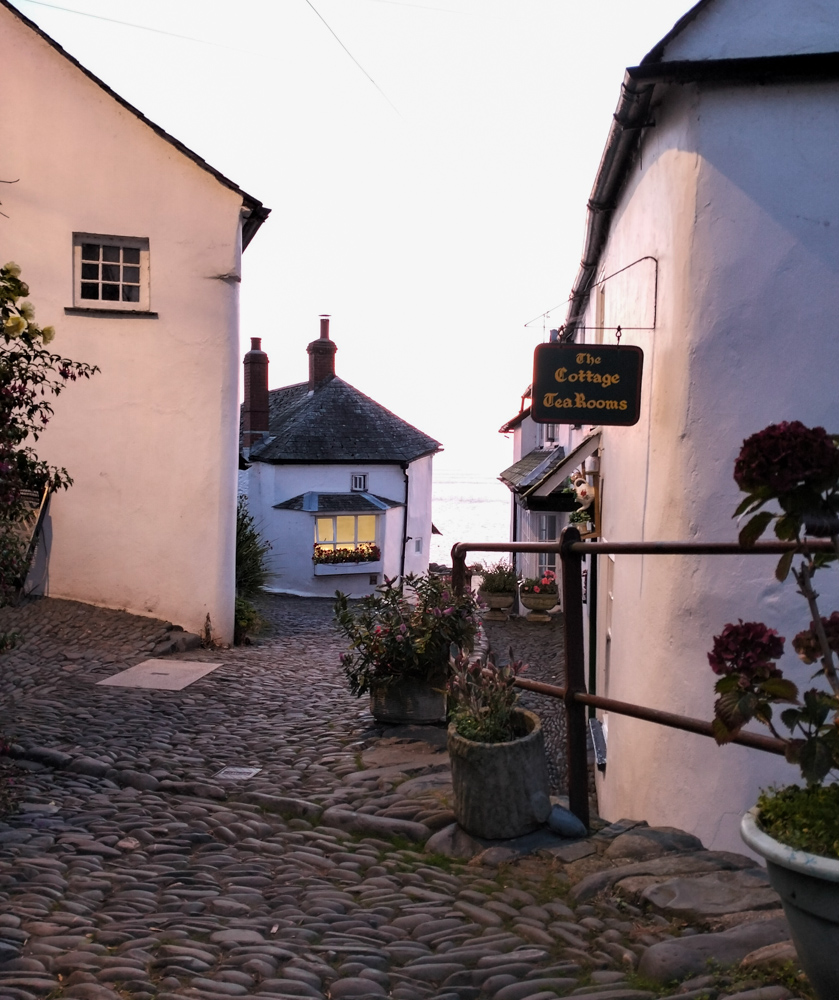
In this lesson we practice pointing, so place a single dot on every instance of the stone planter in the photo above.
(539, 605)
(498, 604)
(410, 700)
(809, 889)
(501, 790)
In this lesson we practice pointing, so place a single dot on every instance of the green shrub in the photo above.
(251, 550)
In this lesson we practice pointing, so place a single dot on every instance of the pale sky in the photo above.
(432, 217)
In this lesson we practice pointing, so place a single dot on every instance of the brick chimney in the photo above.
(255, 410)
(321, 356)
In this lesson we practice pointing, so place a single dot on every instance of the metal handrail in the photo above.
(571, 549)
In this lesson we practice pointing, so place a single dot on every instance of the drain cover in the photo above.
(237, 773)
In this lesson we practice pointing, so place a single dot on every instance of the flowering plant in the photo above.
(798, 467)
(394, 634)
(365, 552)
(499, 578)
(483, 698)
(546, 584)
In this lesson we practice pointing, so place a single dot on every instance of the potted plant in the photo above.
(497, 751)
(796, 829)
(499, 583)
(399, 645)
(539, 594)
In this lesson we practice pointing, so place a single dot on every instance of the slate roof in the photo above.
(336, 423)
(519, 470)
(333, 503)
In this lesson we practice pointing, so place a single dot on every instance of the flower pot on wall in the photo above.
(539, 605)
(410, 700)
(501, 790)
(498, 604)
(809, 889)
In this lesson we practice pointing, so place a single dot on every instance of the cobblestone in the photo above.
(133, 869)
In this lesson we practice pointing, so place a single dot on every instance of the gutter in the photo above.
(632, 116)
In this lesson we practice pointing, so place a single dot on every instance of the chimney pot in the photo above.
(321, 356)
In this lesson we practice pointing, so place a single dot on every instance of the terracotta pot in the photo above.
(499, 605)
(539, 605)
(410, 700)
(501, 790)
(809, 889)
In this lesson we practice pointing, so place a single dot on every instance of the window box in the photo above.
(343, 569)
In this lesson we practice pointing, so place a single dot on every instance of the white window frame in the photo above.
(141, 244)
(358, 482)
(546, 529)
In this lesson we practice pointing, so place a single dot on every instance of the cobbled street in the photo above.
(132, 870)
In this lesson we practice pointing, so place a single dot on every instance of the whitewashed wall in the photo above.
(151, 442)
(291, 533)
(736, 198)
(419, 514)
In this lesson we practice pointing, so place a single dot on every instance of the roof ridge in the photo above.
(258, 211)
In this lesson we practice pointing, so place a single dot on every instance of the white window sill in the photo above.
(343, 569)
(110, 313)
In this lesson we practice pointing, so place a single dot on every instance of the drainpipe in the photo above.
(404, 527)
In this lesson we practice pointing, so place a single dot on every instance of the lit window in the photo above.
(359, 482)
(345, 531)
(110, 272)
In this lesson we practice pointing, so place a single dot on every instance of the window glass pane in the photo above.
(90, 271)
(130, 255)
(324, 529)
(110, 293)
(90, 251)
(110, 272)
(110, 253)
(346, 529)
(130, 293)
(90, 291)
(367, 527)
(131, 275)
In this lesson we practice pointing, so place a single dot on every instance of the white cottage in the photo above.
(713, 243)
(339, 486)
(132, 246)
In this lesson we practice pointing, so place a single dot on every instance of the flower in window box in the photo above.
(365, 552)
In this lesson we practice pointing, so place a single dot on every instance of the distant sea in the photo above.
(468, 508)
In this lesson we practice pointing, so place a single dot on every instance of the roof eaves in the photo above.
(258, 212)
(511, 425)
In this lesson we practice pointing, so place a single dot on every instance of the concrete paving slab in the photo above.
(161, 675)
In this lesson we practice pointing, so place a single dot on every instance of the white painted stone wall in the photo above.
(735, 195)
(151, 442)
(292, 533)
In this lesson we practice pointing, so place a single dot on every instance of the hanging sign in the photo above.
(586, 384)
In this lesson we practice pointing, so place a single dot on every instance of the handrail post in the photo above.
(572, 607)
(458, 568)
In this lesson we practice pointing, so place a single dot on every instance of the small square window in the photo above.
(359, 482)
(111, 272)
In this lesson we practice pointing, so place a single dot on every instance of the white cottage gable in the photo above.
(743, 29)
